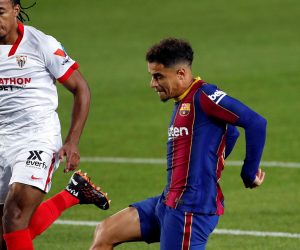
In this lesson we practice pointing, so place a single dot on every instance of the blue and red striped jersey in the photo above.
(201, 135)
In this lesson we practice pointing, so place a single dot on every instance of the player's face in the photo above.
(8, 21)
(165, 81)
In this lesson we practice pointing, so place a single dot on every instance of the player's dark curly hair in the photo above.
(23, 16)
(171, 51)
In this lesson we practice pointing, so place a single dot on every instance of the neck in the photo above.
(187, 89)
(190, 79)
(10, 37)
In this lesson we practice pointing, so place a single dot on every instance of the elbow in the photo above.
(87, 93)
(258, 121)
(83, 92)
(259, 126)
(261, 122)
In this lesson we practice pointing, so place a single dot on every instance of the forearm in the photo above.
(79, 114)
(255, 133)
(232, 135)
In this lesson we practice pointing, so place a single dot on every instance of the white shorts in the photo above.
(29, 159)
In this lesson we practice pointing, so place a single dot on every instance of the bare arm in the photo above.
(80, 90)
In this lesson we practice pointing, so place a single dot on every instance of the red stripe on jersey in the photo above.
(181, 150)
(186, 241)
(18, 41)
(215, 110)
(219, 199)
(49, 172)
(220, 167)
(220, 154)
(68, 73)
(189, 148)
(174, 189)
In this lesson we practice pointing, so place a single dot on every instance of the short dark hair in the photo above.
(23, 16)
(171, 51)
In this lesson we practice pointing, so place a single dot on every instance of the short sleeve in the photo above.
(56, 59)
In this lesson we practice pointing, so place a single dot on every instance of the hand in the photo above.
(71, 152)
(259, 179)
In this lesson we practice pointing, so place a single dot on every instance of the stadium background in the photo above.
(250, 49)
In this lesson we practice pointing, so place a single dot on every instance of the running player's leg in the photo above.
(49, 210)
(31, 173)
(135, 223)
(185, 231)
(5, 175)
(2, 242)
(20, 204)
(202, 226)
(123, 226)
(80, 189)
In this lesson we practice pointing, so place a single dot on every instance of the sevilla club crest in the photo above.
(21, 60)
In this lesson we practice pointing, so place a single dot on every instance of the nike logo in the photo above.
(35, 178)
(72, 191)
(74, 182)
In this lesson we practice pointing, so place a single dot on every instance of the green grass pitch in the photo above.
(250, 49)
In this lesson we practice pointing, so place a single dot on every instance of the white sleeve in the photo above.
(57, 61)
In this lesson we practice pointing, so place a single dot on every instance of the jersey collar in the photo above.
(177, 99)
(18, 41)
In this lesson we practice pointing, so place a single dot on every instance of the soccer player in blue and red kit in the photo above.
(201, 135)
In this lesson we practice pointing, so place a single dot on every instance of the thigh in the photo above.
(34, 167)
(5, 175)
(123, 226)
(21, 202)
(33, 160)
(149, 219)
(202, 227)
(5, 170)
(29, 159)
(185, 231)
(2, 242)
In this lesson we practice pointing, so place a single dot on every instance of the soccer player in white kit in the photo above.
(30, 139)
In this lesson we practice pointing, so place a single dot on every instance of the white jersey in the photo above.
(28, 72)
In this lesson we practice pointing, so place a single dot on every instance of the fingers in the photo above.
(259, 179)
(72, 161)
(261, 175)
(61, 154)
(72, 157)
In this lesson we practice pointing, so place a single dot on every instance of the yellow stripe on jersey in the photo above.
(187, 91)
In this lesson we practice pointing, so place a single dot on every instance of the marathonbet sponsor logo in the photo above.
(21, 60)
(185, 109)
(13, 83)
(19, 81)
(175, 132)
(35, 160)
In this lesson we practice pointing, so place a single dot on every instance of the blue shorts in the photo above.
(174, 229)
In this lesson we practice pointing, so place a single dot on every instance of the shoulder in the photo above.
(209, 88)
(212, 92)
(39, 38)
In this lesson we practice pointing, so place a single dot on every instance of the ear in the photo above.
(17, 9)
(181, 73)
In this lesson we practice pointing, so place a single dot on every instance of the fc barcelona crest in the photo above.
(21, 60)
(185, 109)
